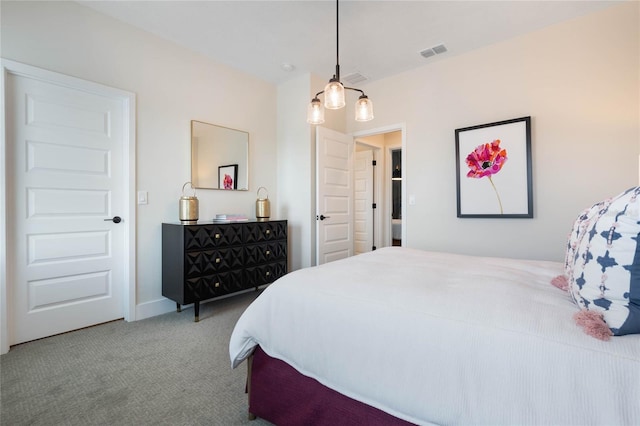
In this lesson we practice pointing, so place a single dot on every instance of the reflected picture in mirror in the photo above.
(228, 177)
(219, 157)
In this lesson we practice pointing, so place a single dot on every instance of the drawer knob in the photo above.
(216, 285)
(268, 273)
(217, 236)
(268, 231)
(268, 252)
(217, 260)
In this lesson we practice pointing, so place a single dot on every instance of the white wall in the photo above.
(297, 164)
(173, 86)
(296, 147)
(578, 80)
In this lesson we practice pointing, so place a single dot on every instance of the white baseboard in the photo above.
(153, 308)
(162, 306)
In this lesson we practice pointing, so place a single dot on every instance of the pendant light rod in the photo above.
(334, 91)
(347, 88)
(337, 74)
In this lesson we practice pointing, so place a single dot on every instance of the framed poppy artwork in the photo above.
(493, 170)
(228, 176)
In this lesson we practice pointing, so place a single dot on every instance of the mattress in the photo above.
(494, 341)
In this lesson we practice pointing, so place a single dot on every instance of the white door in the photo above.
(66, 164)
(363, 201)
(334, 195)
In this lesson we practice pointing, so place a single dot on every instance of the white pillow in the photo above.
(603, 261)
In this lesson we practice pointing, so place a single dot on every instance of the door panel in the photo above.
(363, 200)
(58, 292)
(65, 168)
(334, 195)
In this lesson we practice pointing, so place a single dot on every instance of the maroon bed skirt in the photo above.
(280, 394)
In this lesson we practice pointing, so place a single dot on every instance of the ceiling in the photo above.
(377, 38)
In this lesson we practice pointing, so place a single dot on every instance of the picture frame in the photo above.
(493, 170)
(228, 176)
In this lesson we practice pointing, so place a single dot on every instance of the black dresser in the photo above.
(207, 260)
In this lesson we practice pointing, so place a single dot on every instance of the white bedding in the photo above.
(436, 338)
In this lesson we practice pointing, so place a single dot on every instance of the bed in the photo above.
(405, 336)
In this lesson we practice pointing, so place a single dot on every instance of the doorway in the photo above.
(335, 212)
(365, 209)
(334, 195)
(68, 152)
(387, 228)
(396, 197)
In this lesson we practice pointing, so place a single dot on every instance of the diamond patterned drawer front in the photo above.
(205, 260)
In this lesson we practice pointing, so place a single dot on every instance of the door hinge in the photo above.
(373, 163)
(374, 206)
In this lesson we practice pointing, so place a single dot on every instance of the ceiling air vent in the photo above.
(439, 49)
(432, 51)
(427, 53)
(354, 78)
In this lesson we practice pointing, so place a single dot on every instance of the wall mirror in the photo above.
(219, 157)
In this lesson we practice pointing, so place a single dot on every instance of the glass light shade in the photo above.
(364, 109)
(315, 112)
(334, 95)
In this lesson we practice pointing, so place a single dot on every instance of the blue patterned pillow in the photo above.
(603, 261)
(580, 228)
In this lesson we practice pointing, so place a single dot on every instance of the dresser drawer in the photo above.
(265, 231)
(265, 274)
(211, 236)
(210, 286)
(207, 262)
(265, 252)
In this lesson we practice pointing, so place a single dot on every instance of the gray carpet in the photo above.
(166, 370)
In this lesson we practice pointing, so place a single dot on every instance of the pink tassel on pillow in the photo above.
(593, 324)
(561, 282)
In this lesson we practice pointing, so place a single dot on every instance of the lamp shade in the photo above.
(364, 109)
(334, 95)
(315, 112)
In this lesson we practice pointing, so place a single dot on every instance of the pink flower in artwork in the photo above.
(227, 182)
(487, 160)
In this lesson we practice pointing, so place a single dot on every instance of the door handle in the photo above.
(322, 217)
(115, 219)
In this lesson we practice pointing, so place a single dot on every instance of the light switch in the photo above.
(412, 200)
(142, 197)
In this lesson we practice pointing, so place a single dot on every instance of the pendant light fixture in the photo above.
(334, 97)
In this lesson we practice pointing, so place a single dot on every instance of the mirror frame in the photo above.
(220, 165)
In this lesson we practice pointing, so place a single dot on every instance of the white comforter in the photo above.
(437, 338)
